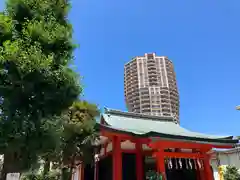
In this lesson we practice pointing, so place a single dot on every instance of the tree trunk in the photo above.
(67, 171)
(46, 167)
(10, 165)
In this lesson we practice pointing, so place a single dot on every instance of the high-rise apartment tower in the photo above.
(150, 86)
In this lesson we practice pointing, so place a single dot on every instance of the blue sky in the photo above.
(201, 37)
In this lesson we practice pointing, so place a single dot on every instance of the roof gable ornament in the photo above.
(110, 112)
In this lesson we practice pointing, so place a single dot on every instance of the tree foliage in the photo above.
(76, 139)
(231, 173)
(79, 133)
(36, 82)
(153, 175)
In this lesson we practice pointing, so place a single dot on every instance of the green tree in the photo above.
(77, 138)
(36, 82)
(231, 173)
(153, 175)
(79, 134)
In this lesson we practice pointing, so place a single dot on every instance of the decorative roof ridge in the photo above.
(138, 115)
(226, 151)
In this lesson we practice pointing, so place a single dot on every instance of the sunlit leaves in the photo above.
(6, 27)
(26, 59)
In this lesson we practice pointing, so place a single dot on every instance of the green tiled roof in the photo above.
(155, 127)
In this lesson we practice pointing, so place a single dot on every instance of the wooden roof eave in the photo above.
(155, 136)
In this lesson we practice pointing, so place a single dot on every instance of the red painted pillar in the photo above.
(139, 161)
(81, 176)
(117, 158)
(105, 148)
(161, 164)
(202, 174)
(207, 168)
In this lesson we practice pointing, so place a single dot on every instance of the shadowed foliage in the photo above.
(36, 82)
(231, 173)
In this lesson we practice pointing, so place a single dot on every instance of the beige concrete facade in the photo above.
(150, 86)
(224, 158)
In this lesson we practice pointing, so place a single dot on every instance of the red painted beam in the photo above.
(180, 155)
(186, 145)
(163, 144)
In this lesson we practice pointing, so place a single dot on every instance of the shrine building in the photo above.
(138, 147)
